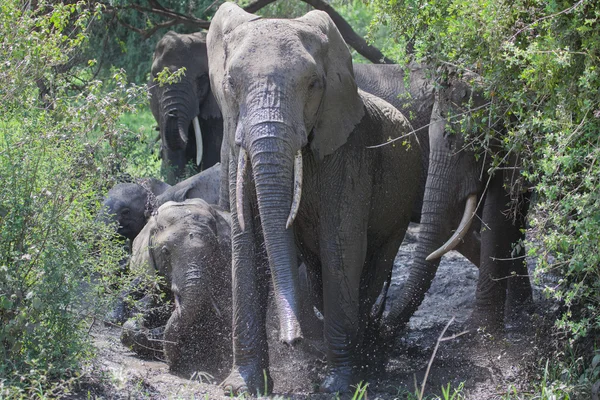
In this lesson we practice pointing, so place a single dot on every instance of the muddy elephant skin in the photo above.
(301, 173)
(188, 244)
(131, 204)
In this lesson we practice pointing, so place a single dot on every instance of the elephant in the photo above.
(457, 180)
(187, 244)
(128, 204)
(131, 204)
(301, 175)
(204, 185)
(189, 120)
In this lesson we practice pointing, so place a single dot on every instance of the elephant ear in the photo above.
(341, 108)
(142, 262)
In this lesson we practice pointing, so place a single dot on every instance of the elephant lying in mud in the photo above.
(189, 120)
(300, 173)
(188, 245)
(188, 317)
(131, 204)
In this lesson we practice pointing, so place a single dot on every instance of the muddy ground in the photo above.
(488, 366)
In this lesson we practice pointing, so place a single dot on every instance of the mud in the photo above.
(483, 365)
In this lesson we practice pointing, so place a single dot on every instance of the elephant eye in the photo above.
(125, 211)
(315, 83)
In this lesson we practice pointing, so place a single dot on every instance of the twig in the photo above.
(440, 339)
(92, 324)
(426, 126)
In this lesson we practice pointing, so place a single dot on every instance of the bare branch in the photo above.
(354, 40)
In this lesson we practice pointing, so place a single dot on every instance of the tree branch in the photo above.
(354, 40)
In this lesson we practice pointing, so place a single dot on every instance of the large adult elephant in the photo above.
(300, 173)
(190, 122)
(459, 194)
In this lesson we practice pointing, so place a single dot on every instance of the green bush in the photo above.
(538, 63)
(56, 262)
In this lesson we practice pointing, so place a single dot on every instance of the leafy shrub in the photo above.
(538, 63)
(56, 261)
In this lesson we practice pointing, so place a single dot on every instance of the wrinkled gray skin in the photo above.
(174, 106)
(128, 204)
(410, 90)
(286, 86)
(454, 174)
(131, 204)
(189, 245)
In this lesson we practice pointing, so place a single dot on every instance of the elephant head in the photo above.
(128, 205)
(188, 117)
(462, 199)
(188, 244)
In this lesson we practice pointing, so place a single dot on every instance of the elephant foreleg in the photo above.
(343, 253)
(498, 235)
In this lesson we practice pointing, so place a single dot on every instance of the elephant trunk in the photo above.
(435, 229)
(179, 108)
(272, 163)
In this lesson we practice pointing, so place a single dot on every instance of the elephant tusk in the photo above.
(461, 231)
(198, 132)
(239, 187)
(297, 189)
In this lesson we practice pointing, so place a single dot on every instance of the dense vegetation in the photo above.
(538, 62)
(56, 263)
(66, 135)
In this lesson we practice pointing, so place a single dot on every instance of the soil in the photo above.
(485, 366)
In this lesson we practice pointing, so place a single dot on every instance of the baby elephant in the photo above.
(131, 204)
(188, 245)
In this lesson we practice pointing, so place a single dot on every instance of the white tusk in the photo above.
(198, 132)
(461, 231)
(297, 189)
(239, 187)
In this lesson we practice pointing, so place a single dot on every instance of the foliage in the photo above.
(56, 261)
(114, 43)
(140, 144)
(538, 62)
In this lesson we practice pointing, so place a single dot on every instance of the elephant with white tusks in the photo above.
(461, 194)
(189, 120)
(188, 244)
(302, 173)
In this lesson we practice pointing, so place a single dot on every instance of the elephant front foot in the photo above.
(248, 379)
(338, 380)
